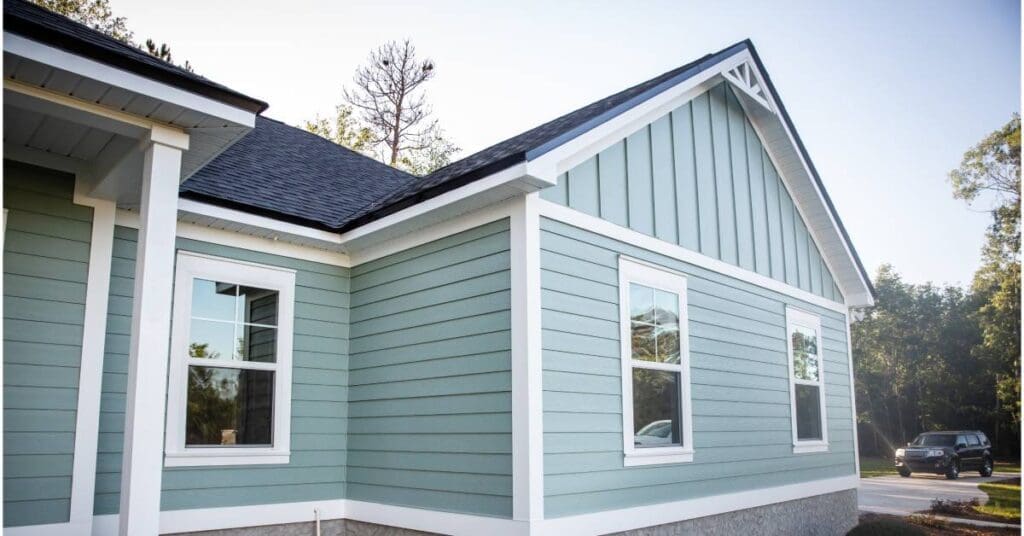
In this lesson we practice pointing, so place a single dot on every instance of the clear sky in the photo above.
(886, 95)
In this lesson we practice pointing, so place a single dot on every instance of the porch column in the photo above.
(142, 464)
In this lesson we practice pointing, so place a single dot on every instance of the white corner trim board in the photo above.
(173, 521)
(527, 368)
(90, 377)
(656, 245)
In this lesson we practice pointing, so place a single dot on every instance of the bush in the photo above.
(954, 508)
(886, 527)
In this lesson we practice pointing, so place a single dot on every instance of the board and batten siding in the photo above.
(739, 384)
(699, 177)
(316, 469)
(430, 423)
(46, 264)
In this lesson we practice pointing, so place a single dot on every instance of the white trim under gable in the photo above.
(606, 228)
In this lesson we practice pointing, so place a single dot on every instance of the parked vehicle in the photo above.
(946, 453)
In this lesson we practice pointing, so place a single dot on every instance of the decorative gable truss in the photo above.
(740, 66)
(746, 78)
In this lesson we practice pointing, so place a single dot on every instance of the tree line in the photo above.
(931, 357)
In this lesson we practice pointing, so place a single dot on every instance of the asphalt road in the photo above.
(903, 496)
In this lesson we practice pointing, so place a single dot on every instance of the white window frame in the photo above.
(634, 271)
(191, 266)
(794, 318)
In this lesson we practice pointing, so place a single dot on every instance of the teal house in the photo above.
(634, 317)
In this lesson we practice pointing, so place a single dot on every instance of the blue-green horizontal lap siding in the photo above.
(739, 384)
(316, 469)
(430, 389)
(46, 256)
(699, 177)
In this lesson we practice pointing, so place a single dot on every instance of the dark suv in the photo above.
(946, 453)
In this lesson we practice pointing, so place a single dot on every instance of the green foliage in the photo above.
(914, 366)
(97, 15)
(930, 357)
(344, 130)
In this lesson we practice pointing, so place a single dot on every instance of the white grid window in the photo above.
(656, 408)
(806, 382)
(229, 391)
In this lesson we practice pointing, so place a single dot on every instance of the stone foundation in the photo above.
(831, 514)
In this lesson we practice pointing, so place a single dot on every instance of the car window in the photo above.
(961, 440)
(934, 440)
(972, 441)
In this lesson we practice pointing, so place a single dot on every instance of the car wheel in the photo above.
(954, 470)
(986, 467)
(904, 472)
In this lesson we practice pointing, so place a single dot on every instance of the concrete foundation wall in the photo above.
(831, 514)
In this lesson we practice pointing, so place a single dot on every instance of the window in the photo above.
(229, 394)
(656, 414)
(807, 382)
(972, 441)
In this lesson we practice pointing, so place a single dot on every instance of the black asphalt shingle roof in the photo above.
(39, 24)
(289, 174)
(286, 173)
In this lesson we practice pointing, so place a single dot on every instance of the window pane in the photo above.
(211, 299)
(808, 412)
(212, 340)
(229, 406)
(805, 353)
(641, 303)
(668, 345)
(257, 306)
(666, 308)
(257, 343)
(655, 408)
(644, 342)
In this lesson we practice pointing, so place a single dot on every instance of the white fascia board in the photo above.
(238, 238)
(762, 119)
(512, 179)
(188, 207)
(60, 59)
(561, 159)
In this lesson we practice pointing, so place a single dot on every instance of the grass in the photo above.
(872, 466)
(1007, 466)
(1003, 500)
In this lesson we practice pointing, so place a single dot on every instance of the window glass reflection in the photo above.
(654, 324)
(808, 412)
(229, 406)
(805, 353)
(655, 408)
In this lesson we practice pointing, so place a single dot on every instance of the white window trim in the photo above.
(796, 317)
(189, 267)
(634, 271)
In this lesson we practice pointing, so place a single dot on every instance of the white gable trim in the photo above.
(779, 142)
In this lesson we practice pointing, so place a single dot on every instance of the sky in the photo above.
(886, 95)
